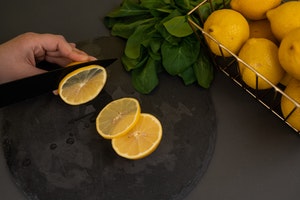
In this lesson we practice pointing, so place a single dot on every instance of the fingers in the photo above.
(19, 55)
(63, 61)
(58, 53)
(55, 48)
(55, 92)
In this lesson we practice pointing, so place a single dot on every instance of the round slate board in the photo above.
(54, 151)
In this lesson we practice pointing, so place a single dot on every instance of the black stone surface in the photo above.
(54, 152)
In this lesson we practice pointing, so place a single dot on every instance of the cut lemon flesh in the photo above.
(118, 117)
(82, 85)
(141, 140)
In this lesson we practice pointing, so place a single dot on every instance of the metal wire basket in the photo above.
(269, 98)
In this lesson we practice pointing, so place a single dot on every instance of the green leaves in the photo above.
(145, 79)
(177, 58)
(203, 70)
(128, 8)
(178, 26)
(125, 30)
(159, 38)
(141, 36)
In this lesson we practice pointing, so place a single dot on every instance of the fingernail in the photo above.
(91, 58)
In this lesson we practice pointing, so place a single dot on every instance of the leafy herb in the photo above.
(178, 26)
(202, 69)
(159, 38)
(177, 58)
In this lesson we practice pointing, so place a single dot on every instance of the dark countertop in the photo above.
(256, 157)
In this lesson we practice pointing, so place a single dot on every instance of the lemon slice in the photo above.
(141, 140)
(118, 117)
(82, 85)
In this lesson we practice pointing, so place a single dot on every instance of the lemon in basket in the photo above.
(287, 106)
(286, 79)
(284, 18)
(289, 53)
(262, 29)
(262, 55)
(229, 28)
(254, 9)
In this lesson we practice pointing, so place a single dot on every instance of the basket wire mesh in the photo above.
(269, 98)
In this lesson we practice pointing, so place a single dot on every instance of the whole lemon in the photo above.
(284, 18)
(261, 29)
(254, 9)
(229, 28)
(262, 55)
(286, 79)
(287, 106)
(289, 53)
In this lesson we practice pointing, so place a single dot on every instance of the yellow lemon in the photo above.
(261, 29)
(287, 106)
(254, 9)
(141, 140)
(229, 28)
(82, 85)
(286, 79)
(262, 55)
(289, 53)
(284, 18)
(118, 117)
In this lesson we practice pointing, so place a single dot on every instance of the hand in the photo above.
(19, 56)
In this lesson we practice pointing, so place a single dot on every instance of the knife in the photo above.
(19, 90)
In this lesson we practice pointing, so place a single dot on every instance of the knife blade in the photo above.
(19, 90)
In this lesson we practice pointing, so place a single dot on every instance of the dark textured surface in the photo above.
(256, 155)
(54, 152)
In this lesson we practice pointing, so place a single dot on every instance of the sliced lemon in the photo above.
(82, 85)
(118, 117)
(141, 140)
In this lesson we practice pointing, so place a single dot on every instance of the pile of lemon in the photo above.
(265, 35)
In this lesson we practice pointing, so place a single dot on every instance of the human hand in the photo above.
(19, 56)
